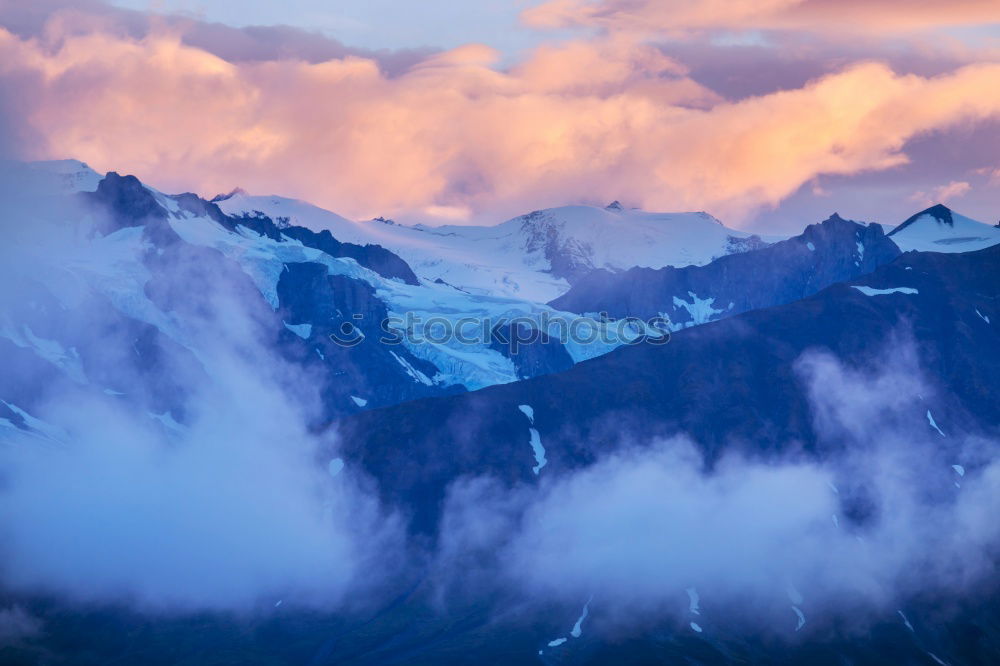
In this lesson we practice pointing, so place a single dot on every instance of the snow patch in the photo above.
(167, 419)
(700, 309)
(529, 412)
(933, 423)
(52, 351)
(577, 630)
(905, 621)
(693, 601)
(335, 466)
(801, 616)
(538, 450)
(360, 402)
(869, 291)
(413, 372)
(301, 330)
(696, 627)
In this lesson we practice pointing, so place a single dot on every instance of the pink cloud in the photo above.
(455, 136)
(942, 193)
(886, 16)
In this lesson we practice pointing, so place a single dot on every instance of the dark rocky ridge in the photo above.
(772, 275)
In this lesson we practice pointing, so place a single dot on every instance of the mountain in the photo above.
(491, 459)
(153, 270)
(832, 251)
(728, 383)
(940, 229)
(535, 256)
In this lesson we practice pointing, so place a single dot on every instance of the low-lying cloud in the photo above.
(221, 499)
(856, 535)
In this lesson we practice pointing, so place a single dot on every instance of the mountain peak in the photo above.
(232, 193)
(615, 205)
(127, 201)
(939, 212)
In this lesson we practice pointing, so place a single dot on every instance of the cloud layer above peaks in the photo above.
(647, 116)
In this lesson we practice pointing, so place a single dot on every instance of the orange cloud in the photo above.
(886, 16)
(454, 136)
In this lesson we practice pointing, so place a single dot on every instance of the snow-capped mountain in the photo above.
(535, 256)
(156, 266)
(823, 254)
(65, 175)
(940, 229)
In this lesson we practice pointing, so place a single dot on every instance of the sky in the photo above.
(769, 114)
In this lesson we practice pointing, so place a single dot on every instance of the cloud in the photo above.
(992, 175)
(885, 16)
(452, 134)
(220, 500)
(853, 534)
(942, 193)
(252, 43)
(583, 121)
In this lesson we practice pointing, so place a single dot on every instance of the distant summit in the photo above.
(939, 212)
(232, 193)
(940, 229)
(615, 205)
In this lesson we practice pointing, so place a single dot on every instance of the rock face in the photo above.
(123, 202)
(832, 251)
(377, 258)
